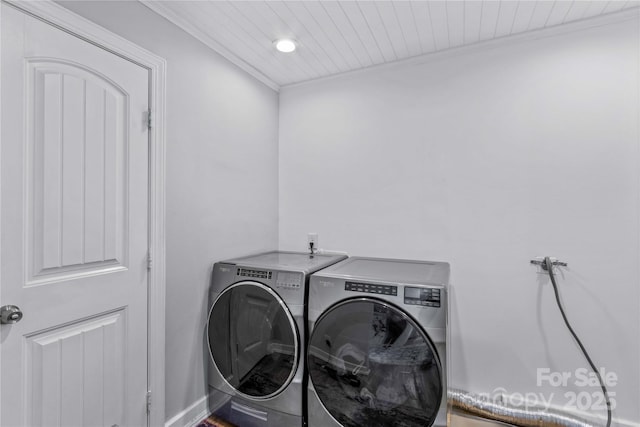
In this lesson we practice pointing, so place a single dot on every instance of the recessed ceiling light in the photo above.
(285, 45)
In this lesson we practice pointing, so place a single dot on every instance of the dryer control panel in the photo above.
(371, 288)
(429, 297)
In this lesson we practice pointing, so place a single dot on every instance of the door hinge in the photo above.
(149, 119)
(149, 402)
(149, 260)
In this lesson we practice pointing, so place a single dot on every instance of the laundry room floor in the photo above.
(213, 421)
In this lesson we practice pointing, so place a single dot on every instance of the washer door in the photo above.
(372, 365)
(253, 340)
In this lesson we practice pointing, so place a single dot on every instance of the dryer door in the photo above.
(253, 340)
(372, 365)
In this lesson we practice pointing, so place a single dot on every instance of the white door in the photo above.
(73, 223)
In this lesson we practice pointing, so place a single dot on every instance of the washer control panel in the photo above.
(371, 288)
(288, 280)
(428, 297)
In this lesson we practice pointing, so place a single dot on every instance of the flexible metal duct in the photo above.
(483, 407)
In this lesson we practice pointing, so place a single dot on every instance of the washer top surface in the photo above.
(295, 261)
(390, 270)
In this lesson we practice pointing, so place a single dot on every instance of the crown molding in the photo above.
(191, 29)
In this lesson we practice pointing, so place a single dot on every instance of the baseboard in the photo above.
(190, 417)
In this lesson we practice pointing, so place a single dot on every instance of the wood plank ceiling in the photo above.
(338, 36)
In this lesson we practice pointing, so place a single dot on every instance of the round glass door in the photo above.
(372, 365)
(253, 340)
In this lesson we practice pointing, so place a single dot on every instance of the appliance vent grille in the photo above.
(258, 274)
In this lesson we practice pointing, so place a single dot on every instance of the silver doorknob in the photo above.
(10, 314)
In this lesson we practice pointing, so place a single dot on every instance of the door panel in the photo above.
(68, 364)
(78, 214)
(73, 219)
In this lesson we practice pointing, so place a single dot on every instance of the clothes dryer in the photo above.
(377, 351)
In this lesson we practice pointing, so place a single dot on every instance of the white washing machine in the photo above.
(377, 349)
(256, 337)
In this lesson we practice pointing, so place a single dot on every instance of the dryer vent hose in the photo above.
(484, 407)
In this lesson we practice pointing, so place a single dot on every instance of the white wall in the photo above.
(222, 191)
(486, 158)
